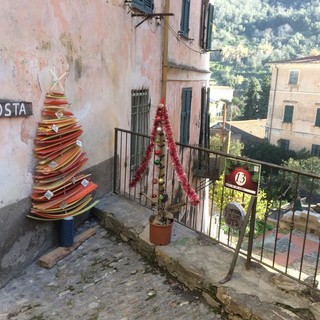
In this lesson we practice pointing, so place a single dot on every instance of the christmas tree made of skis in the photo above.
(59, 189)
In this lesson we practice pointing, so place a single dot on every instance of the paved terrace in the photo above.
(199, 263)
(105, 279)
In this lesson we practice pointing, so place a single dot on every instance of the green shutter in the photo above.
(288, 113)
(209, 27)
(185, 13)
(205, 121)
(143, 5)
(207, 124)
(202, 115)
(185, 115)
(317, 123)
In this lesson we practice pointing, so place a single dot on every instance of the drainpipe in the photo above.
(165, 50)
(273, 103)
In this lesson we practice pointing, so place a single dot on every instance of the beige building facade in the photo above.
(293, 120)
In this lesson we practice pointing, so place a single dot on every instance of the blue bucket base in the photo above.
(66, 232)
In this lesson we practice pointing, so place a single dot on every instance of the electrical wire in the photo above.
(178, 37)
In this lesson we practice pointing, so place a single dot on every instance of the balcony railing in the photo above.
(284, 227)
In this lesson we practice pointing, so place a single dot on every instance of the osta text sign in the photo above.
(9, 108)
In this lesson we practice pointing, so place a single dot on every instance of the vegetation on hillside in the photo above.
(252, 33)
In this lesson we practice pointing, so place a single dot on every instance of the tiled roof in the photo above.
(310, 59)
(249, 129)
(253, 127)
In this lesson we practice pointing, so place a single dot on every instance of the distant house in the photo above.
(293, 120)
(217, 95)
(246, 131)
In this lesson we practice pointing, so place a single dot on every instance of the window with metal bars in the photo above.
(140, 123)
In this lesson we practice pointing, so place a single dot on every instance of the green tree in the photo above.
(264, 97)
(252, 108)
(221, 195)
(235, 147)
(305, 184)
(267, 152)
(253, 33)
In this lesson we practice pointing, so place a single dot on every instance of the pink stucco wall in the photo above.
(105, 56)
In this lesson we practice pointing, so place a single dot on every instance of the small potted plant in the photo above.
(160, 139)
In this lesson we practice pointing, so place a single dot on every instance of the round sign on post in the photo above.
(233, 214)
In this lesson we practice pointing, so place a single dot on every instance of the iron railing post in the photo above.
(115, 156)
(251, 233)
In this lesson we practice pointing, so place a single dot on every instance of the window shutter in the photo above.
(288, 112)
(149, 5)
(185, 13)
(315, 150)
(284, 144)
(185, 115)
(207, 124)
(202, 125)
(317, 123)
(205, 121)
(209, 26)
(143, 5)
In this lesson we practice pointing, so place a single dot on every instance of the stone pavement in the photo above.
(199, 263)
(104, 279)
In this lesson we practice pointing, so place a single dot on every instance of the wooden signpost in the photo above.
(10, 108)
(240, 240)
(245, 177)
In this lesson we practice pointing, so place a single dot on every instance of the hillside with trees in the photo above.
(252, 33)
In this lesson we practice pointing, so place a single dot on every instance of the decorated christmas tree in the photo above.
(160, 140)
(59, 189)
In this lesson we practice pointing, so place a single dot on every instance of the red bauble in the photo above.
(154, 181)
(158, 118)
(157, 152)
(154, 195)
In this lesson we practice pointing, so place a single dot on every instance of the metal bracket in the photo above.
(150, 15)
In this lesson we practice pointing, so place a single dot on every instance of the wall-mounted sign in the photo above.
(233, 214)
(243, 176)
(10, 108)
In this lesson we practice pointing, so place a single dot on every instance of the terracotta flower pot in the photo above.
(160, 235)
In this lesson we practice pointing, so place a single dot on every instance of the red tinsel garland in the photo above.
(191, 194)
(144, 163)
(163, 114)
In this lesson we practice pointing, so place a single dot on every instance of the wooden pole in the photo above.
(165, 51)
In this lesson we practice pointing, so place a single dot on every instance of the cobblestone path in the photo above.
(104, 279)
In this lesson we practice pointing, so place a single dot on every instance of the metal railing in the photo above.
(284, 228)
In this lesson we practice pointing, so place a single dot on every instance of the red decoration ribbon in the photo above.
(163, 114)
(191, 194)
(144, 163)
